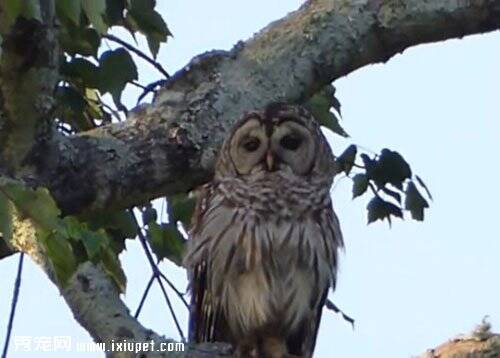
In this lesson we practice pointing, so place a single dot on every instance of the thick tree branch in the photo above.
(96, 304)
(482, 343)
(170, 146)
(106, 318)
(28, 75)
(5, 249)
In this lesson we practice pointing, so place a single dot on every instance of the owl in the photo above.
(264, 242)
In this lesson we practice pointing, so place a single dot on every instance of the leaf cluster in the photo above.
(325, 107)
(166, 238)
(66, 241)
(387, 175)
(86, 72)
(389, 178)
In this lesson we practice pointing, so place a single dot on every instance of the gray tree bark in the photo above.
(169, 146)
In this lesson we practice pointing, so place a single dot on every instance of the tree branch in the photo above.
(170, 145)
(15, 298)
(28, 76)
(5, 249)
(482, 343)
(96, 304)
(139, 53)
(104, 315)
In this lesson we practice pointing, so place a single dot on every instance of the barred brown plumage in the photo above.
(263, 247)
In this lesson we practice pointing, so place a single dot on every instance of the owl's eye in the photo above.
(290, 142)
(251, 144)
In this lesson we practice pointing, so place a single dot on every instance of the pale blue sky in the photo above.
(410, 287)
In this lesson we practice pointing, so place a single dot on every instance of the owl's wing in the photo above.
(206, 323)
(303, 342)
(202, 316)
(314, 324)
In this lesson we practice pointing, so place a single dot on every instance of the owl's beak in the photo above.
(270, 161)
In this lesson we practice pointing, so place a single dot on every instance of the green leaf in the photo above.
(154, 42)
(5, 218)
(93, 243)
(72, 227)
(70, 99)
(182, 208)
(368, 162)
(415, 202)
(379, 209)
(82, 72)
(167, 242)
(70, 9)
(94, 106)
(81, 41)
(117, 68)
(121, 221)
(422, 184)
(66, 241)
(60, 254)
(124, 222)
(392, 193)
(12, 10)
(149, 23)
(95, 10)
(97, 248)
(390, 168)
(320, 107)
(37, 204)
(360, 184)
(119, 225)
(114, 269)
(131, 25)
(115, 11)
(345, 161)
(72, 108)
(29, 9)
(149, 215)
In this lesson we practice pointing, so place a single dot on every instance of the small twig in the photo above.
(367, 149)
(337, 181)
(150, 88)
(172, 286)
(171, 308)
(332, 306)
(64, 130)
(162, 210)
(170, 212)
(138, 53)
(138, 85)
(144, 295)
(113, 111)
(15, 298)
(358, 165)
(157, 274)
(374, 190)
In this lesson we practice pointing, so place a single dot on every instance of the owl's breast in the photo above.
(276, 196)
(266, 271)
(270, 254)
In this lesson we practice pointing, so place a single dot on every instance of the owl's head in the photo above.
(280, 137)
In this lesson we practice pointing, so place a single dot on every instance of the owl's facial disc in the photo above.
(248, 147)
(293, 147)
(280, 144)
